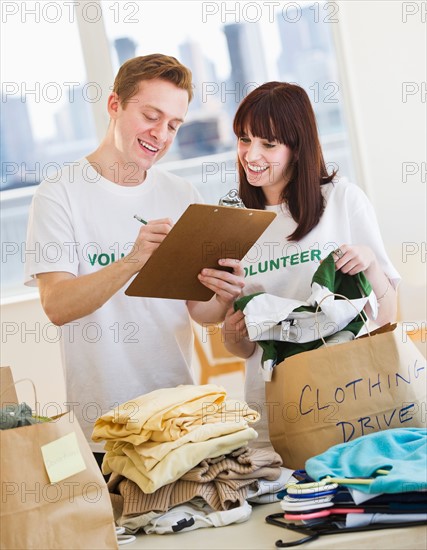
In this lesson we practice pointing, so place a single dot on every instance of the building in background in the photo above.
(207, 128)
(17, 146)
(248, 65)
(203, 71)
(125, 48)
(307, 58)
(74, 120)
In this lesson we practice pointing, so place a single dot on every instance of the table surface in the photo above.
(256, 534)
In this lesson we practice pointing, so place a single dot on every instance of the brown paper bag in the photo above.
(7, 389)
(336, 393)
(73, 513)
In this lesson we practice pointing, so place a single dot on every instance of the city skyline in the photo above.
(31, 60)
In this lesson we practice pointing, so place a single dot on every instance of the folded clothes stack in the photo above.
(377, 479)
(179, 460)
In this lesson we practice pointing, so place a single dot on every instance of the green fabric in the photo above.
(242, 302)
(351, 286)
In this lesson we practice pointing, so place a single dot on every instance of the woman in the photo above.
(281, 169)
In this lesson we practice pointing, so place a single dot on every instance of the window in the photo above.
(46, 116)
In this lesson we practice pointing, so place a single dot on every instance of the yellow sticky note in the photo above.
(63, 458)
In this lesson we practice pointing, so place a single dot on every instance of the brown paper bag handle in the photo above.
(4, 390)
(349, 301)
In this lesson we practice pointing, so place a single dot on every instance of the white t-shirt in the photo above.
(79, 223)
(279, 267)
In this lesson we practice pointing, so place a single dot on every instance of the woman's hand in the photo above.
(234, 327)
(356, 258)
(353, 259)
(235, 334)
(227, 286)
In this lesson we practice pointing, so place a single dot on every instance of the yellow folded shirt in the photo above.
(135, 420)
(230, 410)
(127, 462)
(152, 452)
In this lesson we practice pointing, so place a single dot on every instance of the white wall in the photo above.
(30, 347)
(382, 52)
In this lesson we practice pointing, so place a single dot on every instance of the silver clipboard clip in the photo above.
(231, 199)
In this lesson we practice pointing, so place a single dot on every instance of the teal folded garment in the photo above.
(402, 451)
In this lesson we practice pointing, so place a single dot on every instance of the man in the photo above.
(117, 347)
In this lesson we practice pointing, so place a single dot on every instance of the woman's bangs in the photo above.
(255, 118)
(259, 119)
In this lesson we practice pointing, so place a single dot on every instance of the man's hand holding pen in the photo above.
(150, 235)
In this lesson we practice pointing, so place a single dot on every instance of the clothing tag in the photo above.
(63, 458)
(285, 329)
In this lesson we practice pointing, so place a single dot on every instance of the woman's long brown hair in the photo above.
(279, 111)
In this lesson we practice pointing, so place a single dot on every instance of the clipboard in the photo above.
(203, 235)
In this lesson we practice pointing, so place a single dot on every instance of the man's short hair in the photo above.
(149, 67)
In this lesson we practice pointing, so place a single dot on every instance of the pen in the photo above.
(140, 219)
